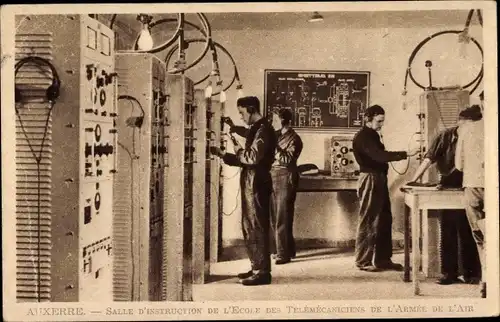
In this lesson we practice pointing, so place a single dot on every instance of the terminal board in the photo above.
(318, 99)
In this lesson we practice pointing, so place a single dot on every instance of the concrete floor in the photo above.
(321, 274)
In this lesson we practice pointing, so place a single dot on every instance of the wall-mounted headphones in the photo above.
(53, 91)
(136, 120)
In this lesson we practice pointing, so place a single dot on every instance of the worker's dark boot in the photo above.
(257, 279)
(448, 280)
(390, 266)
(370, 268)
(282, 260)
(245, 275)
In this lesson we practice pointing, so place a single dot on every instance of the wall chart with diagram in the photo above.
(319, 100)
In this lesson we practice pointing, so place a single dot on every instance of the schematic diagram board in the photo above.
(318, 99)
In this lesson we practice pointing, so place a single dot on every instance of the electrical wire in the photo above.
(195, 27)
(38, 159)
(407, 159)
(208, 41)
(131, 98)
(478, 78)
(421, 44)
(218, 194)
(479, 17)
(112, 21)
(215, 44)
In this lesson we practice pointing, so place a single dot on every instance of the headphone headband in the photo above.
(52, 92)
(38, 59)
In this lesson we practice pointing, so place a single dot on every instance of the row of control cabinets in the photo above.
(99, 211)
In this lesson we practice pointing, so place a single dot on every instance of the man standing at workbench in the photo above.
(455, 234)
(374, 234)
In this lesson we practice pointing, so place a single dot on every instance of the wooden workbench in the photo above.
(416, 202)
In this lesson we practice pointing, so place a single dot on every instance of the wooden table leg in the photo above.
(415, 226)
(406, 229)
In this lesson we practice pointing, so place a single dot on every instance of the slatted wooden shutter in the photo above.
(33, 180)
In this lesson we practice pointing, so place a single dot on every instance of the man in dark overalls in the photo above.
(255, 159)
(456, 234)
(374, 234)
(285, 178)
(285, 182)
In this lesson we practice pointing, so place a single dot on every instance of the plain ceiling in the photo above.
(332, 19)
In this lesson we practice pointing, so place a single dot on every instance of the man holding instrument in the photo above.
(255, 159)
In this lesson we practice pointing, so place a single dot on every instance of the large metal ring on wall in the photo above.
(419, 46)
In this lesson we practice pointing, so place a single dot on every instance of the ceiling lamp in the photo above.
(145, 41)
(316, 17)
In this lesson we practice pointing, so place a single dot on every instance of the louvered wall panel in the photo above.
(33, 182)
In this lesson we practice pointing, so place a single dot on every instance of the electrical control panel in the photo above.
(340, 157)
(64, 237)
(178, 205)
(139, 185)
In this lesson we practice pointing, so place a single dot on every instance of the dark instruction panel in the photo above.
(318, 99)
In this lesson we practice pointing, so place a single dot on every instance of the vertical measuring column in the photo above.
(200, 195)
(178, 199)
